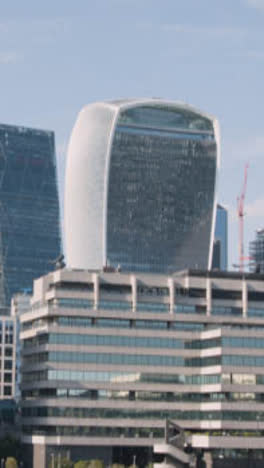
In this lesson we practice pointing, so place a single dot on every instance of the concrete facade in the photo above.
(108, 356)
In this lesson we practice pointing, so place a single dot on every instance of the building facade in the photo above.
(256, 252)
(220, 250)
(8, 408)
(8, 361)
(20, 304)
(29, 208)
(140, 187)
(108, 357)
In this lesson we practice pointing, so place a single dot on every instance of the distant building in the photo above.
(140, 186)
(29, 208)
(8, 353)
(220, 250)
(256, 252)
(20, 304)
(108, 357)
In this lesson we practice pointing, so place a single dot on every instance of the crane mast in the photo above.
(241, 214)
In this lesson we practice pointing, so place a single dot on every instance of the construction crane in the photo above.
(241, 215)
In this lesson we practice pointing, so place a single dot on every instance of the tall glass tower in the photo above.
(256, 251)
(140, 186)
(220, 250)
(29, 208)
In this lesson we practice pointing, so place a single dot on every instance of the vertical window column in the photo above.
(96, 290)
(14, 357)
(172, 294)
(134, 292)
(2, 359)
(244, 298)
(208, 296)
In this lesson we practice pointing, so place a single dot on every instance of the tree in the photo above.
(81, 464)
(66, 463)
(11, 463)
(96, 464)
(62, 463)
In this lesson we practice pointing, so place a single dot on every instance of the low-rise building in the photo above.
(109, 356)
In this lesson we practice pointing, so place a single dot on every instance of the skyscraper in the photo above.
(256, 252)
(140, 186)
(220, 250)
(29, 208)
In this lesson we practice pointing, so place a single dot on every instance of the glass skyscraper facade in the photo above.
(220, 251)
(256, 252)
(140, 187)
(158, 163)
(29, 208)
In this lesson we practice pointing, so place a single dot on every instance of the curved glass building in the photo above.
(140, 186)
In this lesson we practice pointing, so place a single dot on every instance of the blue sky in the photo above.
(56, 56)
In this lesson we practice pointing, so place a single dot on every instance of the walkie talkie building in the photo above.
(140, 186)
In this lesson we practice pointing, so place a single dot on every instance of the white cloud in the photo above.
(8, 57)
(259, 4)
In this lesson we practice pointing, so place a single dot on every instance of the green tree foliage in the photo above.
(11, 463)
(81, 464)
(96, 464)
(89, 464)
(61, 463)
(118, 465)
(66, 463)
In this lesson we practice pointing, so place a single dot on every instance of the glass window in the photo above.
(152, 307)
(112, 305)
(7, 377)
(75, 303)
(7, 390)
(8, 351)
(115, 288)
(8, 364)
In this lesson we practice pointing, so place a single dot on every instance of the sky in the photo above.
(57, 56)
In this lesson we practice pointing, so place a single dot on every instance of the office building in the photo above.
(8, 409)
(108, 356)
(29, 208)
(20, 303)
(220, 249)
(140, 187)
(256, 252)
(8, 361)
